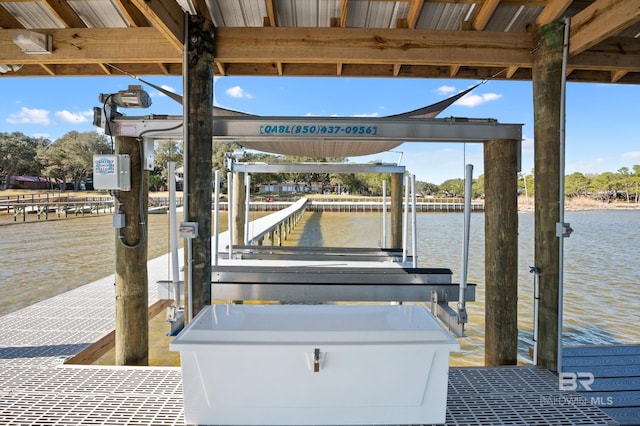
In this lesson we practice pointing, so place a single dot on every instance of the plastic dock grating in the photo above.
(36, 389)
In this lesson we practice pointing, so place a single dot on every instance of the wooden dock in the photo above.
(608, 377)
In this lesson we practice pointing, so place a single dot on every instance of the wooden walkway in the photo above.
(606, 376)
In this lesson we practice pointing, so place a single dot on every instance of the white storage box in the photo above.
(314, 364)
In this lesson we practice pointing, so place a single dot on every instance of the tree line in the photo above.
(69, 161)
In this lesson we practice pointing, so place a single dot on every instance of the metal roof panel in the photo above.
(443, 16)
(33, 15)
(99, 13)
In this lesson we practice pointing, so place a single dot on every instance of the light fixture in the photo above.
(33, 43)
(5, 68)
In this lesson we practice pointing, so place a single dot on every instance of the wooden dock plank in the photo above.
(614, 399)
(616, 372)
(589, 361)
(624, 416)
(607, 370)
(602, 350)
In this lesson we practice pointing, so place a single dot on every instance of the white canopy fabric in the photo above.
(337, 148)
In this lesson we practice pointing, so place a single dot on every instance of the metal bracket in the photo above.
(563, 230)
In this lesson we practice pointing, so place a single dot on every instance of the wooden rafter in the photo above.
(415, 9)
(132, 14)
(7, 20)
(601, 20)
(484, 13)
(166, 17)
(552, 11)
(65, 13)
(272, 13)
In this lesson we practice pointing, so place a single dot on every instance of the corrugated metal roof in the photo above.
(240, 13)
(512, 18)
(33, 15)
(443, 16)
(158, 26)
(99, 13)
(375, 14)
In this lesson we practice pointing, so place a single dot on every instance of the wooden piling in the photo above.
(199, 154)
(501, 252)
(396, 210)
(132, 299)
(547, 87)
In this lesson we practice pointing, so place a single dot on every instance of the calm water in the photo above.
(602, 281)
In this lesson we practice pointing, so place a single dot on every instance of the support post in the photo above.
(238, 196)
(396, 211)
(199, 188)
(547, 88)
(501, 252)
(132, 298)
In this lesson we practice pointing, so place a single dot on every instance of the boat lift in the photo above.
(319, 133)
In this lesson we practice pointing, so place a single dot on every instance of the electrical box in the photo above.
(112, 172)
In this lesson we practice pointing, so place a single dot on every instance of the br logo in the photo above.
(575, 381)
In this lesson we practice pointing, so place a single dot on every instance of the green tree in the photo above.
(624, 181)
(636, 180)
(18, 155)
(452, 187)
(576, 184)
(604, 186)
(70, 158)
(426, 188)
(477, 187)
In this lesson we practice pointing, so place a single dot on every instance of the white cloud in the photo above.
(445, 90)
(470, 100)
(30, 116)
(73, 117)
(373, 114)
(238, 92)
(633, 155)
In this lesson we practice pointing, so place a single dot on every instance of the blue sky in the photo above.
(602, 134)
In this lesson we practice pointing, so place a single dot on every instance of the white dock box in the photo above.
(314, 364)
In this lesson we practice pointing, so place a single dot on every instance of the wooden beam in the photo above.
(484, 13)
(617, 75)
(221, 68)
(65, 13)
(453, 70)
(48, 69)
(552, 12)
(343, 13)
(600, 20)
(7, 20)
(107, 70)
(94, 45)
(132, 14)
(373, 46)
(415, 9)
(167, 17)
(511, 71)
(272, 13)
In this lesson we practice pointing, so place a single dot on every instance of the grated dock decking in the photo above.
(37, 389)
